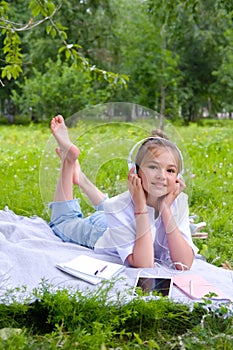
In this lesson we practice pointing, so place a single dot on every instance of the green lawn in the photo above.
(29, 170)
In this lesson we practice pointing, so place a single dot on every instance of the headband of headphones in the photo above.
(131, 163)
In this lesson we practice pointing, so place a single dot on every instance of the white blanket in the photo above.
(29, 251)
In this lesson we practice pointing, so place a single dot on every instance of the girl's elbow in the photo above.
(140, 263)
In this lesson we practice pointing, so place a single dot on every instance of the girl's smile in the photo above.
(158, 173)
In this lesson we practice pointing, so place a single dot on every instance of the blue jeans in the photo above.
(67, 222)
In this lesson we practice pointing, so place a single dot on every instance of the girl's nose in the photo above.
(160, 174)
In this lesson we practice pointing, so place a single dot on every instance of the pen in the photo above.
(103, 268)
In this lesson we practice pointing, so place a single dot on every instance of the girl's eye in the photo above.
(171, 171)
(152, 167)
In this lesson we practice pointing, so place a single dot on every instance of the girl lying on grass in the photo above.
(147, 223)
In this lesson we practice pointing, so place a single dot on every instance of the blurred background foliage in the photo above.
(63, 56)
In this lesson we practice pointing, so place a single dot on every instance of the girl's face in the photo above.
(158, 172)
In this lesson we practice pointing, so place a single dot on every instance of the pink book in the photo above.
(196, 287)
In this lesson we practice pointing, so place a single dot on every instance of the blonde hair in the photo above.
(153, 143)
(159, 133)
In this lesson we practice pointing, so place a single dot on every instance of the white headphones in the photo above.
(131, 163)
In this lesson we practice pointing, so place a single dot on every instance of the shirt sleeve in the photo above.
(121, 223)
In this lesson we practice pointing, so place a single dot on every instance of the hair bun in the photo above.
(159, 133)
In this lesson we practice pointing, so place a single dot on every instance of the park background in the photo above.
(172, 59)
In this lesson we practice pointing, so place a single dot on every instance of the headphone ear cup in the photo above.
(131, 165)
(130, 156)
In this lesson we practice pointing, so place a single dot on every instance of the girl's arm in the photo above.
(181, 253)
(143, 251)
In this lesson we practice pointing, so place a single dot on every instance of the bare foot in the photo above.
(59, 130)
(77, 173)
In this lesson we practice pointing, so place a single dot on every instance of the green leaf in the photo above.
(48, 28)
(35, 8)
(51, 7)
(68, 54)
(53, 32)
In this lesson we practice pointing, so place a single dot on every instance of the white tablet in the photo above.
(160, 285)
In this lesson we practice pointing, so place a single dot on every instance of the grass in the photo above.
(76, 321)
(29, 170)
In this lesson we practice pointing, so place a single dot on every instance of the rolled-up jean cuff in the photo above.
(64, 208)
(100, 206)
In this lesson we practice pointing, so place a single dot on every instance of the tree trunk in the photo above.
(162, 108)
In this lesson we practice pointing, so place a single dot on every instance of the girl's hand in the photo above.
(136, 190)
(179, 186)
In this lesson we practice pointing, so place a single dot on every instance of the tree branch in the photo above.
(30, 25)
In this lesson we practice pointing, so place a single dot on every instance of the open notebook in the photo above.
(90, 269)
(196, 287)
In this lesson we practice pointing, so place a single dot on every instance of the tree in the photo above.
(224, 77)
(199, 58)
(60, 89)
(151, 65)
(45, 15)
(194, 30)
(175, 52)
(47, 10)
